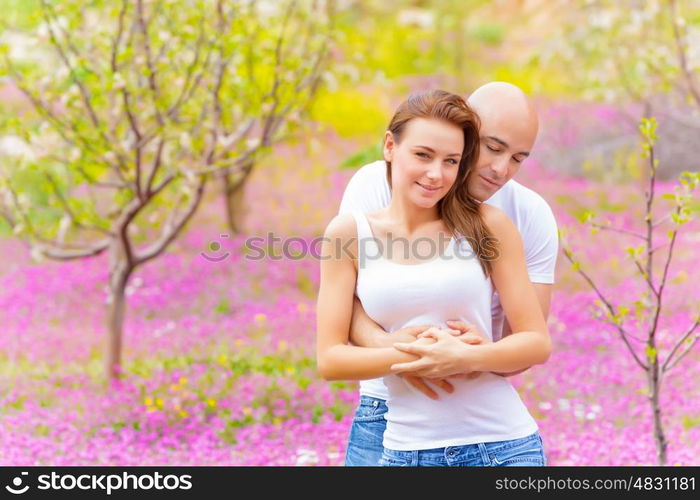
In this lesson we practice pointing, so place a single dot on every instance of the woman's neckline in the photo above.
(443, 256)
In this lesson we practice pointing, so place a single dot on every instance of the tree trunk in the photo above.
(118, 278)
(233, 187)
(655, 388)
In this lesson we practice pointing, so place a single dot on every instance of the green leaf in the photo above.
(585, 216)
(650, 353)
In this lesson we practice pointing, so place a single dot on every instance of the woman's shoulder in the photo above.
(495, 218)
(341, 233)
(502, 229)
(342, 226)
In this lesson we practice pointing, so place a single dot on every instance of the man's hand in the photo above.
(441, 358)
(420, 384)
(468, 333)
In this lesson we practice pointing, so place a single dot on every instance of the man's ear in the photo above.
(389, 146)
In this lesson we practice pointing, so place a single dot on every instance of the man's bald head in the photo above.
(507, 101)
(509, 126)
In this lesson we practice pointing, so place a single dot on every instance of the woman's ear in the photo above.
(389, 146)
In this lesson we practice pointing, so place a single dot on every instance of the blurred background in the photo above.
(143, 142)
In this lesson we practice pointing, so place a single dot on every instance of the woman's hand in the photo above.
(469, 334)
(442, 356)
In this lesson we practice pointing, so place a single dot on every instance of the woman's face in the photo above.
(425, 162)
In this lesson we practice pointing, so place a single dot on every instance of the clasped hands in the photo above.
(439, 356)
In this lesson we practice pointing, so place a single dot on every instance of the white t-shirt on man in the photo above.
(368, 191)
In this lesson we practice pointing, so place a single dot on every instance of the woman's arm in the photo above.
(529, 344)
(336, 359)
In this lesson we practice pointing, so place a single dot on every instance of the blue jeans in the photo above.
(367, 433)
(527, 451)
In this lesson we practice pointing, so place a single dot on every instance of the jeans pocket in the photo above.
(391, 461)
(370, 411)
(529, 452)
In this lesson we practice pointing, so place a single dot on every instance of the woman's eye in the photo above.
(517, 161)
(422, 155)
(493, 149)
(453, 161)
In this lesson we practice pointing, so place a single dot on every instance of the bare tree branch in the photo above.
(611, 309)
(646, 277)
(152, 84)
(189, 86)
(669, 256)
(66, 254)
(163, 184)
(618, 230)
(48, 12)
(172, 227)
(157, 161)
(118, 37)
(670, 362)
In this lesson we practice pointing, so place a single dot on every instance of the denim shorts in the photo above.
(527, 451)
(366, 433)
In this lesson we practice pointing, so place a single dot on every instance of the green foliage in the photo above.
(351, 111)
(305, 284)
(651, 354)
(490, 34)
(585, 216)
(689, 422)
(116, 93)
(612, 49)
(363, 157)
(223, 307)
(20, 13)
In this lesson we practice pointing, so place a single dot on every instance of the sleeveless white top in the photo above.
(451, 286)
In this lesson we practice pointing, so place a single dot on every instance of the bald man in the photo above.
(509, 126)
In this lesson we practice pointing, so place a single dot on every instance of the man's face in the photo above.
(506, 140)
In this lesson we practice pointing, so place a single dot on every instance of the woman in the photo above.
(430, 147)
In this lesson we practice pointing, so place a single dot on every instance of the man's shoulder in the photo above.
(367, 190)
(373, 170)
(520, 197)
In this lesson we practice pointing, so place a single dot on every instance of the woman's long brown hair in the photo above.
(458, 209)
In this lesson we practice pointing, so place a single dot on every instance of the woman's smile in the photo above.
(429, 189)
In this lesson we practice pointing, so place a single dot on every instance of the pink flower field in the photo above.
(219, 362)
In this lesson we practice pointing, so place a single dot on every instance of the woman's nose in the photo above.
(434, 171)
